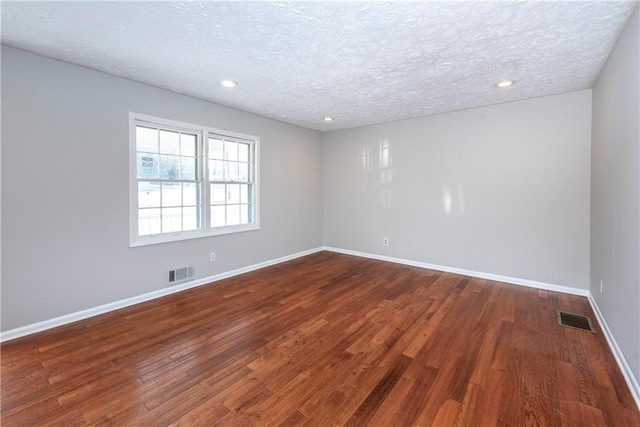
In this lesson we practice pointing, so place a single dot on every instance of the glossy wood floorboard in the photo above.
(323, 340)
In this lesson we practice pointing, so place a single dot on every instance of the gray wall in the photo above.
(502, 189)
(615, 193)
(65, 242)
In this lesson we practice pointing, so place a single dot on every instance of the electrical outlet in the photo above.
(385, 241)
(601, 286)
(212, 256)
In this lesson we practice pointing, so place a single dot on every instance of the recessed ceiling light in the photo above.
(328, 119)
(228, 83)
(505, 83)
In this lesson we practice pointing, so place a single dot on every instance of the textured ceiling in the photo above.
(360, 62)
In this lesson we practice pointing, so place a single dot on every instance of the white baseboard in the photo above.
(94, 311)
(630, 379)
(479, 274)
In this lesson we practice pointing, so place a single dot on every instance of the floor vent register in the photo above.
(575, 321)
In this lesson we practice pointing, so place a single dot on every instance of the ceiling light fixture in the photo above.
(228, 83)
(505, 83)
(328, 119)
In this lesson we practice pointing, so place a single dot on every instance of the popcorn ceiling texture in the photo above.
(360, 62)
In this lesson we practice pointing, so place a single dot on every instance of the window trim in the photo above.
(206, 230)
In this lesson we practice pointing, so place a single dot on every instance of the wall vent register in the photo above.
(180, 274)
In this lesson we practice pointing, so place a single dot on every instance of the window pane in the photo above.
(147, 166)
(233, 193)
(230, 150)
(171, 219)
(243, 172)
(190, 194)
(244, 193)
(218, 194)
(188, 144)
(243, 152)
(169, 168)
(188, 168)
(171, 194)
(169, 142)
(217, 216)
(148, 195)
(216, 170)
(231, 171)
(148, 221)
(146, 139)
(244, 214)
(233, 215)
(216, 150)
(190, 219)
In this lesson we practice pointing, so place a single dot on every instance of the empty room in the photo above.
(320, 213)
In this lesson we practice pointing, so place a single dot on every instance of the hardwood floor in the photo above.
(327, 339)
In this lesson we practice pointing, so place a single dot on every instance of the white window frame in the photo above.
(206, 230)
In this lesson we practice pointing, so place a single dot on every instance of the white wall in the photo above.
(502, 189)
(65, 241)
(615, 193)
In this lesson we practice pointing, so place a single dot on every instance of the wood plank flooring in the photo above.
(323, 340)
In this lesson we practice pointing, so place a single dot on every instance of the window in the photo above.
(190, 181)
